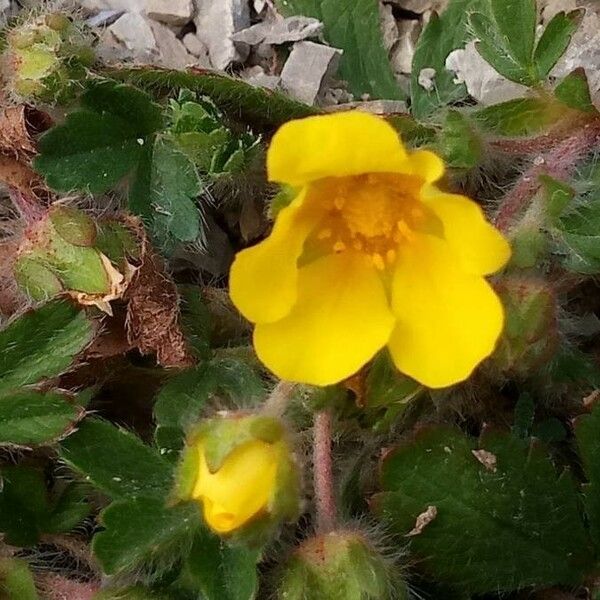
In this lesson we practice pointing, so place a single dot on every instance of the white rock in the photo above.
(483, 82)
(172, 53)
(404, 51)
(197, 48)
(259, 6)
(173, 12)
(549, 8)
(133, 30)
(125, 5)
(375, 107)
(104, 18)
(257, 77)
(216, 22)
(307, 69)
(389, 29)
(279, 31)
(426, 78)
(584, 51)
(420, 6)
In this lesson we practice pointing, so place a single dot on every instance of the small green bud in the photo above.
(341, 565)
(62, 252)
(530, 335)
(44, 57)
(240, 468)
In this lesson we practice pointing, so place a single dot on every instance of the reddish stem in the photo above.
(558, 163)
(323, 472)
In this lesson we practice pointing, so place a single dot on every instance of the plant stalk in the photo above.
(323, 472)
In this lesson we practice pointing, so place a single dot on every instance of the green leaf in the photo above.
(524, 415)
(196, 320)
(353, 26)
(164, 194)
(580, 237)
(459, 142)
(441, 36)
(181, 401)
(16, 580)
(557, 196)
(143, 530)
(116, 461)
(386, 386)
(27, 509)
(511, 524)
(100, 144)
(555, 40)
(41, 343)
(520, 117)
(494, 50)
(516, 21)
(136, 592)
(587, 433)
(574, 91)
(28, 417)
(220, 571)
(234, 96)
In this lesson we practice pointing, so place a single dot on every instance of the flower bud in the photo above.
(530, 334)
(44, 57)
(240, 468)
(341, 565)
(66, 251)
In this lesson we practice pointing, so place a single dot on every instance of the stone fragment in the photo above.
(584, 51)
(172, 53)
(307, 69)
(216, 22)
(483, 82)
(257, 77)
(124, 5)
(549, 8)
(420, 6)
(196, 48)
(375, 107)
(279, 31)
(404, 51)
(426, 78)
(389, 28)
(134, 31)
(259, 6)
(104, 18)
(172, 12)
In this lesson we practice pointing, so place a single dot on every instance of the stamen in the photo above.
(324, 234)
(339, 202)
(391, 256)
(378, 261)
(357, 245)
(339, 246)
(405, 231)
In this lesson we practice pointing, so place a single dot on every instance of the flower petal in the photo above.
(341, 319)
(263, 278)
(337, 145)
(241, 488)
(425, 164)
(480, 246)
(448, 320)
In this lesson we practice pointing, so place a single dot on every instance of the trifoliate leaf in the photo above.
(164, 194)
(116, 461)
(516, 21)
(101, 143)
(143, 529)
(441, 36)
(501, 517)
(353, 26)
(41, 343)
(29, 417)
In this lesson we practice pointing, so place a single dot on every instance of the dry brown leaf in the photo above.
(18, 126)
(22, 178)
(153, 309)
(423, 520)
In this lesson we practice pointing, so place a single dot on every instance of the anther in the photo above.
(324, 234)
(339, 246)
(339, 202)
(378, 261)
(390, 256)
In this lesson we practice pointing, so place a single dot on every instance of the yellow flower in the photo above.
(369, 254)
(241, 488)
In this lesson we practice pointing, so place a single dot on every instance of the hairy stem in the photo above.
(276, 404)
(28, 207)
(323, 472)
(558, 163)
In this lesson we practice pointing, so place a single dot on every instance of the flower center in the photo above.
(372, 214)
